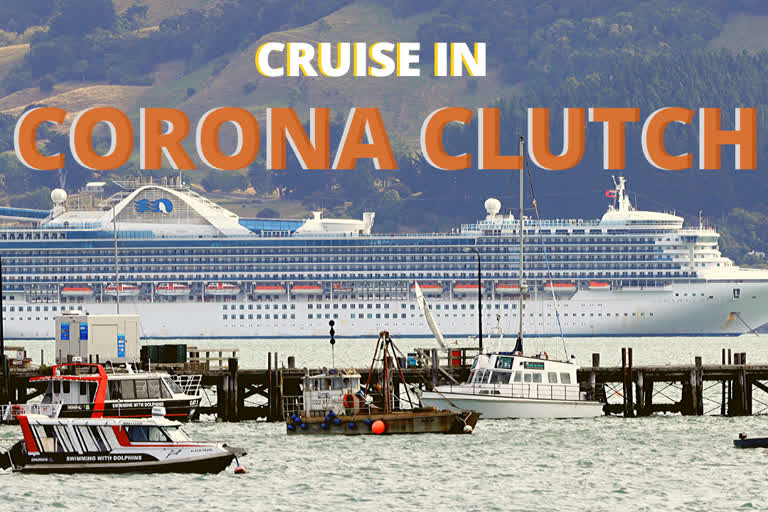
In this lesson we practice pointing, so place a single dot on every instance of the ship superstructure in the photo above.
(193, 269)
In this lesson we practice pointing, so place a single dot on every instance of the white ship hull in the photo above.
(696, 309)
(493, 408)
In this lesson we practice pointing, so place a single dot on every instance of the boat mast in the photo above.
(117, 270)
(519, 344)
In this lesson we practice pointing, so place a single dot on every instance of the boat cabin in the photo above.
(335, 391)
(507, 373)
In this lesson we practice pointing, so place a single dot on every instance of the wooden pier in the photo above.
(632, 391)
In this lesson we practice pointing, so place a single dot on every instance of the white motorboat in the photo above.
(512, 385)
(151, 445)
(509, 385)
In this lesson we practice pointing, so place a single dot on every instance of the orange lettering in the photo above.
(364, 122)
(614, 133)
(653, 139)
(489, 141)
(313, 152)
(248, 138)
(712, 138)
(432, 138)
(573, 135)
(81, 137)
(154, 143)
(25, 138)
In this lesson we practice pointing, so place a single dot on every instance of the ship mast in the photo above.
(519, 344)
(117, 269)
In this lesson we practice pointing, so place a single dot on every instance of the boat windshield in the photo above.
(172, 385)
(139, 433)
(176, 434)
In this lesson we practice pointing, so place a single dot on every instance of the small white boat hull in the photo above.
(496, 407)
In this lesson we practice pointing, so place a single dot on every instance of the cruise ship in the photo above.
(193, 269)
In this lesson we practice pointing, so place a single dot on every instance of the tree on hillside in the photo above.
(79, 17)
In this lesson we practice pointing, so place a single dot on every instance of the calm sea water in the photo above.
(657, 463)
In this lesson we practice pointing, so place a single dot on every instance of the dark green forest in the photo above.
(577, 53)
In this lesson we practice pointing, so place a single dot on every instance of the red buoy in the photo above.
(378, 427)
(239, 470)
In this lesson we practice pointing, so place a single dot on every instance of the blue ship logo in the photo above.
(158, 206)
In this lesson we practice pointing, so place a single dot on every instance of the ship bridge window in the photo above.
(142, 434)
(552, 376)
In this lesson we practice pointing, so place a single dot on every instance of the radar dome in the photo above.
(492, 206)
(58, 196)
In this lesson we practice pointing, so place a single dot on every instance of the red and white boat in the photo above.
(507, 289)
(115, 445)
(306, 289)
(126, 290)
(429, 289)
(466, 288)
(82, 390)
(264, 289)
(222, 289)
(560, 288)
(172, 289)
(595, 285)
(337, 287)
(77, 291)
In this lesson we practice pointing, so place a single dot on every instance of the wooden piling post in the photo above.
(234, 389)
(593, 375)
(640, 401)
(270, 387)
(648, 399)
(722, 390)
(291, 362)
(435, 363)
(630, 380)
(699, 387)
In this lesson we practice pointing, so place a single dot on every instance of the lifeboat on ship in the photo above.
(77, 291)
(221, 289)
(507, 289)
(595, 285)
(172, 289)
(469, 289)
(429, 289)
(126, 290)
(560, 288)
(338, 287)
(266, 289)
(307, 289)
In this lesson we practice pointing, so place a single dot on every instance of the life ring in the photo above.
(349, 401)
(545, 355)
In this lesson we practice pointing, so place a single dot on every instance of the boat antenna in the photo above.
(117, 269)
(519, 344)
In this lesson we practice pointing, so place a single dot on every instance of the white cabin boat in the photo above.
(152, 445)
(509, 385)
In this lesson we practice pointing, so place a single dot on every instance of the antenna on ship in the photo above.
(117, 269)
(519, 343)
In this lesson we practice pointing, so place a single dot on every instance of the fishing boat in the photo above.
(334, 403)
(81, 390)
(172, 289)
(152, 445)
(746, 442)
(509, 384)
